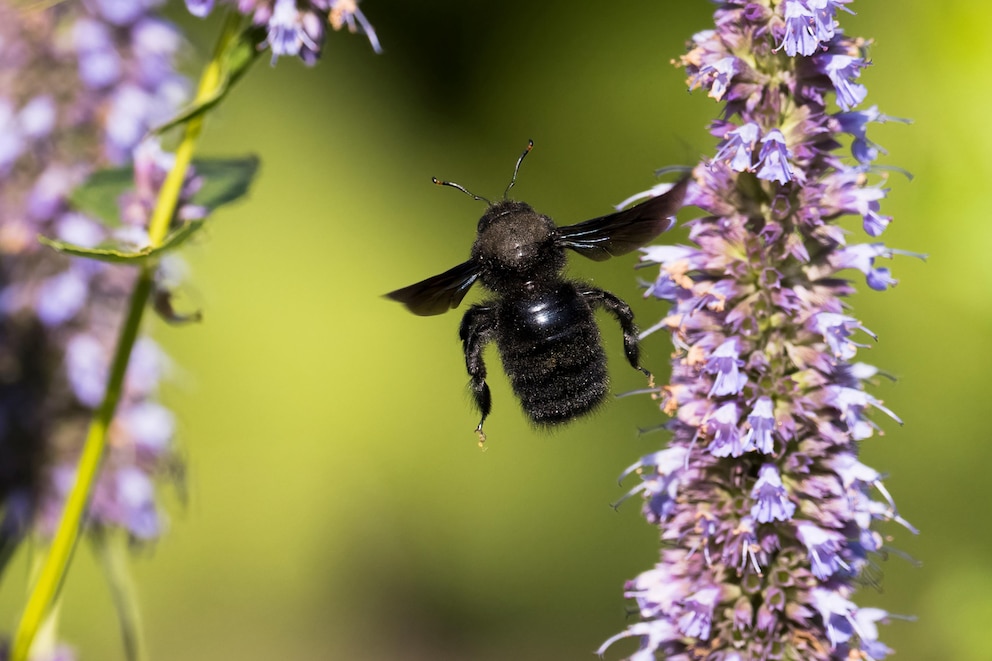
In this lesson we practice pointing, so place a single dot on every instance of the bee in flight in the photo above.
(542, 322)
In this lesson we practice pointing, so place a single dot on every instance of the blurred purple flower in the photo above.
(766, 515)
(294, 32)
(82, 83)
(296, 27)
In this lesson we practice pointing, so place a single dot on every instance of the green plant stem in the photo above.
(53, 570)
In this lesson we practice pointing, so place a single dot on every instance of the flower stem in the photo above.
(55, 566)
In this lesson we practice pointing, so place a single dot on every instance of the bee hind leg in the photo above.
(476, 331)
(625, 316)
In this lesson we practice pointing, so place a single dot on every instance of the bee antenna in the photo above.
(516, 169)
(438, 182)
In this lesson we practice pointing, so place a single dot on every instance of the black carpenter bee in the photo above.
(542, 323)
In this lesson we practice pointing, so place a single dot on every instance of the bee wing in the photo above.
(623, 231)
(440, 293)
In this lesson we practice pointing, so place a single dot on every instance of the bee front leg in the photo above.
(477, 329)
(619, 309)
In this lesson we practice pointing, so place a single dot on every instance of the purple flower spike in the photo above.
(767, 517)
(84, 82)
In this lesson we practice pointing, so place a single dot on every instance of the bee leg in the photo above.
(477, 329)
(619, 309)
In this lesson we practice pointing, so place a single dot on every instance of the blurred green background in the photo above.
(338, 506)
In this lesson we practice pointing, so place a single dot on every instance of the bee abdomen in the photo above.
(564, 394)
(555, 361)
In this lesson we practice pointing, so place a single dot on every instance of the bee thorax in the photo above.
(516, 245)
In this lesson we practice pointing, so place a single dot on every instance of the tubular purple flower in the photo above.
(842, 70)
(762, 423)
(774, 158)
(856, 124)
(738, 147)
(808, 23)
(698, 613)
(880, 279)
(801, 35)
(659, 485)
(720, 73)
(767, 516)
(824, 547)
(727, 438)
(835, 329)
(862, 257)
(290, 30)
(725, 362)
(771, 499)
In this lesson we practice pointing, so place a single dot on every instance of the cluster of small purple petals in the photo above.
(297, 28)
(83, 83)
(767, 517)
(808, 25)
(745, 149)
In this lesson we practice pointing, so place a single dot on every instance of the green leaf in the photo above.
(118, 254)
(237, 58)
(99, 195)
(224, 179)
(111, 549)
